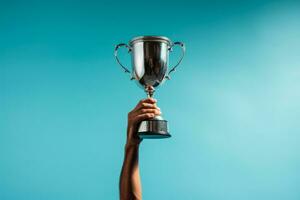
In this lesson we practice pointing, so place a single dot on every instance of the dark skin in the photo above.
(130, 182)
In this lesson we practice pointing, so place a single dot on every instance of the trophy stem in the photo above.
(150, 91)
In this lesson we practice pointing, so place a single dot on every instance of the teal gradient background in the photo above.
(233, 105)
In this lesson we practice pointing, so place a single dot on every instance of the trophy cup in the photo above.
(149, 60)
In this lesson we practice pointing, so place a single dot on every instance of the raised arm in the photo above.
(130, 183)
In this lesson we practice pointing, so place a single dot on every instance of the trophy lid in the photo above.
(150, 38)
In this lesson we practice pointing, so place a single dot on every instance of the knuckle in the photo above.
(129, 114)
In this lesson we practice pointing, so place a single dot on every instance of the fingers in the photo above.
(144, 116)
(155, 111)
(149, 100)
(146, 106)
(145, 109)
(146, 103)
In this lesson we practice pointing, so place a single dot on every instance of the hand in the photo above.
(145, 109)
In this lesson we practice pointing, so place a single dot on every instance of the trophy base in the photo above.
(153, 129)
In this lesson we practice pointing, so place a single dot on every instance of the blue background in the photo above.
(233, 105)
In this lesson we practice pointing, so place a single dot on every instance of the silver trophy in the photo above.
(149, 59)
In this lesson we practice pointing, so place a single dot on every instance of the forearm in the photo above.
(130, 185)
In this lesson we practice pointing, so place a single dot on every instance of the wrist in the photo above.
(132, 137)
(132, 129)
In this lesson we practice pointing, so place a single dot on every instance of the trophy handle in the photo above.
(116, 56)
(182, 45)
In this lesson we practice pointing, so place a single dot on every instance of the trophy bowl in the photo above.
(149, 59)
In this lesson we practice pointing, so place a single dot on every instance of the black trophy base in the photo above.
(153, 129)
